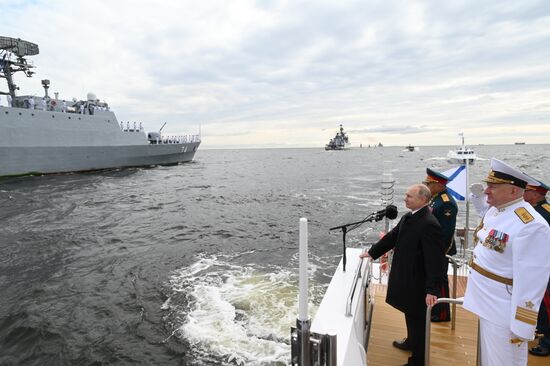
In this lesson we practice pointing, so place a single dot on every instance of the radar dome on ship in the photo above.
(91, 96)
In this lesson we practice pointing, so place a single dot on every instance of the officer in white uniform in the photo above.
(509, 268)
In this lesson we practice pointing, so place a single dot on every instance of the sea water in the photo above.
(194, 264)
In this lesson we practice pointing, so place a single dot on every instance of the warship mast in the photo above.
(12, 60)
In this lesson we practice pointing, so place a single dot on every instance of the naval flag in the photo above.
(457, 182)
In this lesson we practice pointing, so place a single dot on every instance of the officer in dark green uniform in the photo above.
(444, 208)
(536, 196)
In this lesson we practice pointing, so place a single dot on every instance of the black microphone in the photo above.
(390, 212)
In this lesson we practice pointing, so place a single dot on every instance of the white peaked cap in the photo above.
(503, 173)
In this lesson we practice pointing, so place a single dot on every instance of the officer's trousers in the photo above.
(496, 348)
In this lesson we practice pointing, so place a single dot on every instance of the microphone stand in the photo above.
(375, 216)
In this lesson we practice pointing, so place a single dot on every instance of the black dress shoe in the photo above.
(402, 344)
(539, 351)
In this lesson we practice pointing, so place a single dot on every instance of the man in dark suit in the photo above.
(417, 270)
(444, 208)
(536, 196)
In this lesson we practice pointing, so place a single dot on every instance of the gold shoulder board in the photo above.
(546, 206)
(444, 197)
(524, 215)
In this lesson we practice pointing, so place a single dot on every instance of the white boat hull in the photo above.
(331, 318)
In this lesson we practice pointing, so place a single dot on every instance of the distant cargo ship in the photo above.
(42, 135)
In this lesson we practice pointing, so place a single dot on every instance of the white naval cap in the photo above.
(503, 173)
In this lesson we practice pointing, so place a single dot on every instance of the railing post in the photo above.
(429, 323)
(303, 323)
(478, 354)
(332, 346)
(453, 313)
(427, 337)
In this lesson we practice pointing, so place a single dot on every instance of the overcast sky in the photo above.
(287, 73)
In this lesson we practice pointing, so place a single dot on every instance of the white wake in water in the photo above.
(235, 315)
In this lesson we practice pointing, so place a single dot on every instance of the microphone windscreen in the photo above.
(391, 212)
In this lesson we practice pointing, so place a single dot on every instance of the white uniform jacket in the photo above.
(514, 243)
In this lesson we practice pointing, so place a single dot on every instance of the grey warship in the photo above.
(45, 135)
(339, 142)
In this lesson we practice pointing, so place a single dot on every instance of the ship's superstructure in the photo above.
(462, 154)
(41, 135)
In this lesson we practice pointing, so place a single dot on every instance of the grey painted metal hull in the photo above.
(44, 142)
(45, 160)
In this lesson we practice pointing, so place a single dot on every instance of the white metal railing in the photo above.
(179, 139)
(428, 327)
(455, 268)
(351, 293)
(308, 348)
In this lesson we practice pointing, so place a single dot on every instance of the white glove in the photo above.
(477, 189)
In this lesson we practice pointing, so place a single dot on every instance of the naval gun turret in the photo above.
(155, 137)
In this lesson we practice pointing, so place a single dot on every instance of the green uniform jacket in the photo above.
(444, 208)
(543, 208)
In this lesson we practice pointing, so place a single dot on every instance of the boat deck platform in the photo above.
(448, 347)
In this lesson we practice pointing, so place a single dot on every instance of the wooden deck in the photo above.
(448, 347)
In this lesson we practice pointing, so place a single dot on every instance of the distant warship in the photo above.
(42, 135)
(339, 142)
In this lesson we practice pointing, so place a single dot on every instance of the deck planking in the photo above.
(448, 347)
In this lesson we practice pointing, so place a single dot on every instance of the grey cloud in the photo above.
(442, 63)
(396, 129)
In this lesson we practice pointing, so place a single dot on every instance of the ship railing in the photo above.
(182, 139)
(320, 349)
(129, 127)
(368, 299)
(455, 302)
(455, 265)
(357, 276)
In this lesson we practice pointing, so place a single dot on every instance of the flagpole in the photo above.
(467, 198)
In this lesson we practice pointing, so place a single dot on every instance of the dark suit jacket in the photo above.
(418, 260)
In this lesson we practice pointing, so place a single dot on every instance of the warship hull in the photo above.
(47, 142)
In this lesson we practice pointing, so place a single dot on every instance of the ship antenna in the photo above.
(10, 65)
